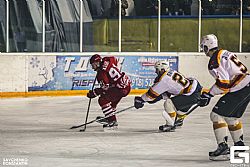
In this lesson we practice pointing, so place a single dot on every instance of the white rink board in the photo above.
(14, 75)
(37, 130)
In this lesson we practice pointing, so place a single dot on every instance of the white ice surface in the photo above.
(38, 129)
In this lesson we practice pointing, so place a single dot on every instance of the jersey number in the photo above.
(114, 74)
(239, 64)
(180, 79)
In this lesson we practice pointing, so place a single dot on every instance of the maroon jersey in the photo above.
(110, 75)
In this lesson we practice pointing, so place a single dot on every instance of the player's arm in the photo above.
(104, 85)
(153, 95)
(219, 66)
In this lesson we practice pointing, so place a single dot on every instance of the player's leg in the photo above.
(235, 125)
(222, 110)
(220, 132)
(169, 115)
(235, 129)
(105, 103)
(110, 100)
(182, 104)
(232, 106)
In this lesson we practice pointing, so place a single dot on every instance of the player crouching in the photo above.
(179, 93)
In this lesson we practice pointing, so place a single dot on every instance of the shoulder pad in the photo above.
(157, 79)
(214, 61)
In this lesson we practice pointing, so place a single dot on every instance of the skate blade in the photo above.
(162, 131)
(112, 129)
(220, 158)
(178, 127)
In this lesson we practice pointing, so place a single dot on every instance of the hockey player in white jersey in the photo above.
(179, 93)
(232, 80)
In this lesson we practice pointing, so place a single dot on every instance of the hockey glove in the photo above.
(205, 99)
(138, 102)
(98, 91)
(95, 92)
(91, 94)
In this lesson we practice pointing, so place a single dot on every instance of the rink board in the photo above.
(59, 74)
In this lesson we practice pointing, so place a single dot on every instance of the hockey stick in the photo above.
(87, 114)
(95, 120)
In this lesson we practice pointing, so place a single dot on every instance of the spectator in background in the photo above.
(131, 8)
(169, 7)
(195, 8)
(106, 4)
(145, 7)
(96, 7)
(176, 7)
(208, 7)
(20, 39)
(246, 7)
(227, 7)
(115, 7)
(184, 7)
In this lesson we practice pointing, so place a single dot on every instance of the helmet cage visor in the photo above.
(204, 48)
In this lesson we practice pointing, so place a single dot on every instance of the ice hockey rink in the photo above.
(36, 130)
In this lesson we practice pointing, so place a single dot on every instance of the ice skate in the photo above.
(102, 120)
(179, 122)
(221, 153)
(167, 128)
(239, 143)
(110, 126)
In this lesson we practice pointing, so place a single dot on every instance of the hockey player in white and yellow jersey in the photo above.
(232, 80)
(179, 93)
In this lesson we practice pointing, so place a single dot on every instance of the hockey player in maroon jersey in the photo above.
(232, 80)
(114, 85)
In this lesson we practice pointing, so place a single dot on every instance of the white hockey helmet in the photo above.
(162, 65)
(208, 42)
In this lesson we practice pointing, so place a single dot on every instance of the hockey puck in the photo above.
(82, 130)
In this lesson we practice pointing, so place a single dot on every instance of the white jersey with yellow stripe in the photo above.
(172, 82)
(230, 74)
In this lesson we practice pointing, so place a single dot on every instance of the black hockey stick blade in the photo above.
(78, 126)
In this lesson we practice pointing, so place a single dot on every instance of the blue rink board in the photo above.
(75, 73)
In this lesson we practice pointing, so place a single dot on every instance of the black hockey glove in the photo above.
(138, 102)
(91, 94)
(95, 92)
(98, 91)
(205, 99)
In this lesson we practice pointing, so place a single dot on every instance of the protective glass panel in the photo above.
(139, 27)
(25, 26)
(179, 25)
(62, 25)
(3, 26)
(222, 19)
(246, 25)
(104, 27)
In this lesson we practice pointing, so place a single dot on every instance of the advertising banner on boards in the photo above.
(75, 73)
